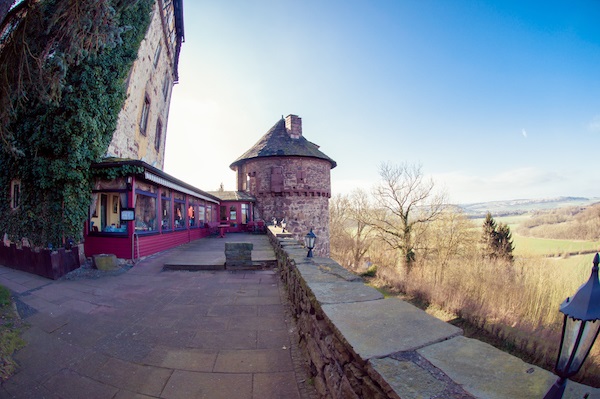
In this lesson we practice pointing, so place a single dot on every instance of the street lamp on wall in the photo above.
(580, 330)
(309, 242)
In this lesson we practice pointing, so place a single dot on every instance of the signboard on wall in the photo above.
(127, 214)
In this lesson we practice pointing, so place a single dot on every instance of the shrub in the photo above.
(370, 272)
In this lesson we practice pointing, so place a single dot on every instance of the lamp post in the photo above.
(309, 242)
(580, 329)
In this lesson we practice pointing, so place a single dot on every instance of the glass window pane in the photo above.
(166, 214)
(245, 213)
(105, 212)
(192, 215)
(179, 213)
(145, 213)
(201, 216)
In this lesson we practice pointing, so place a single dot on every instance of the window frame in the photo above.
(15, 194)
(158, 134)
(145, 116)
(157, 54)
(120, 228)
(166, 87)
(154, 196)
(166, 196)
(179, 200)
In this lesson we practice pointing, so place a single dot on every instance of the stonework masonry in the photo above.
(149, 85)
(290, 178)
(296, 189)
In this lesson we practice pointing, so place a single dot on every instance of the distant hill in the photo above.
(521, 206)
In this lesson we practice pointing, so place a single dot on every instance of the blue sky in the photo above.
(496, 100)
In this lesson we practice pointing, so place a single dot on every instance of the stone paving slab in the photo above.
(344, 292)
(408, 380)
(487, 372)
(187, 384)
(365, 325)
(150, 333)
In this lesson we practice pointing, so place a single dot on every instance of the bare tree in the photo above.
(405, 203)
(360, 208)
(450, 237)
(350, 233)
(338, 220)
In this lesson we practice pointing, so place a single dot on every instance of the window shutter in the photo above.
(277, 179)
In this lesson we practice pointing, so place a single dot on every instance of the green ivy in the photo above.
(54, 139)
(112, 173)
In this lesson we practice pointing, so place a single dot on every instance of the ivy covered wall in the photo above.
(60, 109)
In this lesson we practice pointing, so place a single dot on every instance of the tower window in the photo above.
(277, 179)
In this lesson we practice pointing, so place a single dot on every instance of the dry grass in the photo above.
(515, 306)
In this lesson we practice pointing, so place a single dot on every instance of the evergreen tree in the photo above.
(496, 240)
(504, 244)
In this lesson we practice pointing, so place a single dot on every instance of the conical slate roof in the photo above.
(277, 142)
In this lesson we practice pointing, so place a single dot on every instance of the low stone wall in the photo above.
(361, 345)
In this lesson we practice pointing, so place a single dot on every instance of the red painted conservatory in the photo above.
(144, 211)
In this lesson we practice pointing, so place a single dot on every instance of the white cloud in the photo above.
(510, 184)
(524, 133)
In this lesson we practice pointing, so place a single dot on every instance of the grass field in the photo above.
(530, 246)
(525, 246)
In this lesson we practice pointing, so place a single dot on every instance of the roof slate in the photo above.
(233, 196)
(278, 143)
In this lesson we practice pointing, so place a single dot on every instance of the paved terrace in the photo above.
(149, 333)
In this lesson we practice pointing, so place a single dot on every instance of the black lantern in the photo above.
(309, 242)
(580, 329)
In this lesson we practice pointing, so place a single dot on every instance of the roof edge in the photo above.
(118, 162)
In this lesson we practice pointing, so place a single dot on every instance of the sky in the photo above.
(496, 100)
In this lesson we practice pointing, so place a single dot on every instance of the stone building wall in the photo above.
(150, 82)
(295, 188)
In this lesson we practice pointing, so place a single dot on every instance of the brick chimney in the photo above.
(293, 125)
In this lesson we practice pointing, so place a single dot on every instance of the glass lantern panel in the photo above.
(580, 342)
(590, 331)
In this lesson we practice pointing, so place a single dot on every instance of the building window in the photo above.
(277, 179)
(158, 135)
(201, 214)
(145, 208)
(166, 223)
(145, 115)
(209, 213)
(233, 216)
(179, 210)
(15, 194)
(157, 54)
(245, 213)
(105, 211)
(166, 87)
(192, 211)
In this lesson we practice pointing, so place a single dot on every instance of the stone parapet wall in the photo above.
(361, 345)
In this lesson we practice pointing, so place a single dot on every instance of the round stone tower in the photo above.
(290, 178)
